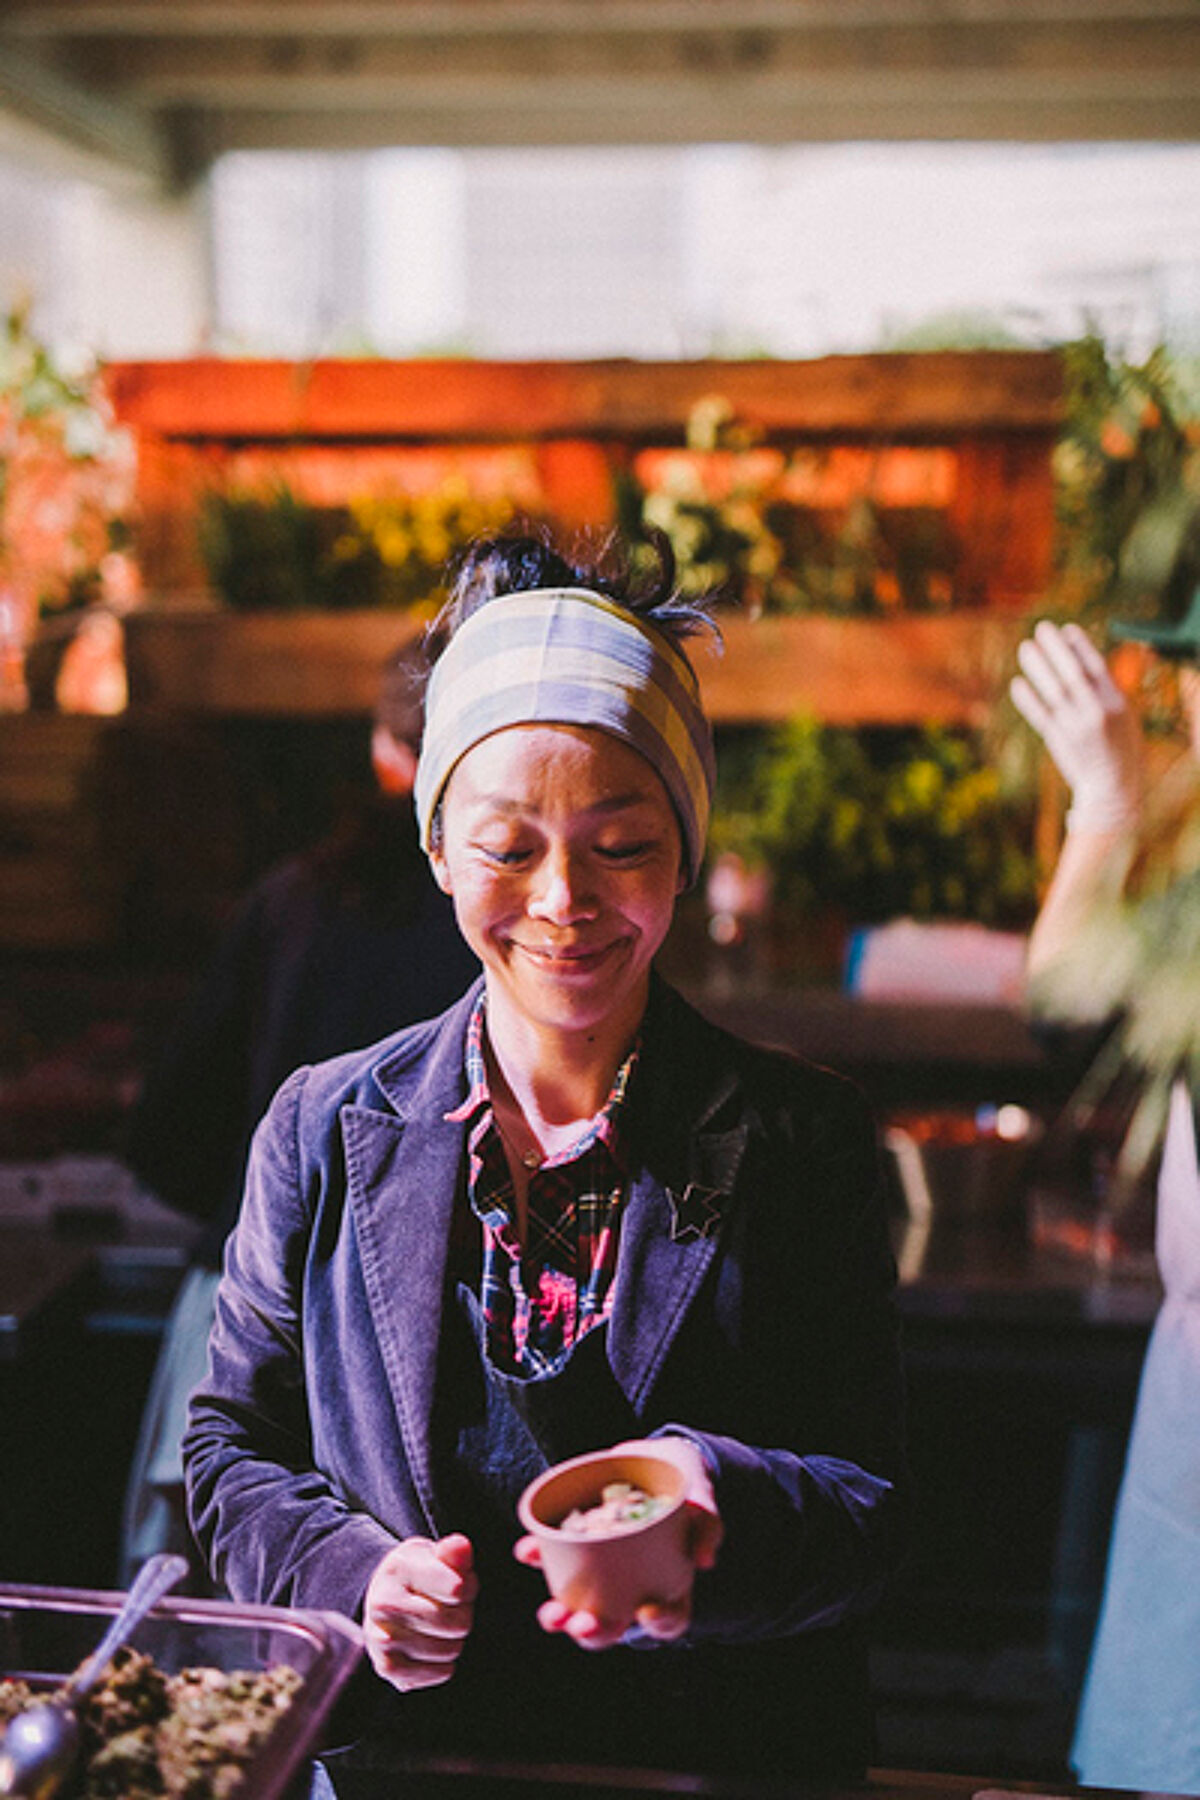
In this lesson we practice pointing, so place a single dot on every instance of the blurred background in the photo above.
(889, 316)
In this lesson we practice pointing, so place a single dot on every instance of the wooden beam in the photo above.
(54, 18)
(898, 397)
(350, 74)
(92, 135)
(527, 119)
(161, 65)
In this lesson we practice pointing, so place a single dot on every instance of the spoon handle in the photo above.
(157, 1574)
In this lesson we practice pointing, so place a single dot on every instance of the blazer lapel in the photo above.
(402, 1174)
(690, 1135)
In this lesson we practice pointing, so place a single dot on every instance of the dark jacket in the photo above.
(330, 949)
(753, 1309)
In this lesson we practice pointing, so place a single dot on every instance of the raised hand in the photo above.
(1066, 693)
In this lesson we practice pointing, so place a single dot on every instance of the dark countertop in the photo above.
(900, 1051)
(447, 1779)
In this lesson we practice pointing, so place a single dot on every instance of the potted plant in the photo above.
(853, 828)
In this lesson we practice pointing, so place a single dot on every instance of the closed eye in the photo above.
(504, 859)
(624, 852)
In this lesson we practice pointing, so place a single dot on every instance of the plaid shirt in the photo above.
(541, 1299)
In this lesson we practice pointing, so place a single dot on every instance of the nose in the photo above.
(562, 893)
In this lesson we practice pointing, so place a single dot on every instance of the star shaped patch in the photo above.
(695, 1214)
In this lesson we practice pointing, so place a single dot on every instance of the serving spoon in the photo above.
(40, 1745)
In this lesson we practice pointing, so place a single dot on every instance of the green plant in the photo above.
(743, 520)
(1127, 483)
(274, 550)
(876, 824)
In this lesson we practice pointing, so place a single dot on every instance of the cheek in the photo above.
(480, 893)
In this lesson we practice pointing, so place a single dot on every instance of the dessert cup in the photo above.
(613, 1571)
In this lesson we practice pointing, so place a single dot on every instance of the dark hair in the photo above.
(400, 702)
(515, 562)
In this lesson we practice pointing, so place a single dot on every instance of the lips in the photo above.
(571, 960)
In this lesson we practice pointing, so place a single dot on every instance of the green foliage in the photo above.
(1138, 963)
(958, 328)
(732, 510)
(1127, 485)
(275, 551)
(877, 824)
(269, 552)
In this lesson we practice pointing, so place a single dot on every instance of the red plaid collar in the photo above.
(604, 1128)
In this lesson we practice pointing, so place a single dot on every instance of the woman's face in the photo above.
(563, 856)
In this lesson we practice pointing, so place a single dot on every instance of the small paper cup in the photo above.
(611, 1572)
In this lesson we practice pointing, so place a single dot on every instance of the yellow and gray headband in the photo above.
(567, 656)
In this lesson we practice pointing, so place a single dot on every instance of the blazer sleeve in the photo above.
(810, 1477)
(272, 1528)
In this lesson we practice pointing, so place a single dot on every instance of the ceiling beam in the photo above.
(167, 69)
(164, 86)
(62, 125)
(407, 18)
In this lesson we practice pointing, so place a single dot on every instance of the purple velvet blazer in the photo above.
(753, 1311)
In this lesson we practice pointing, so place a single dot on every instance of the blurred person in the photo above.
(331, 949)
(568, 1213)
(1138, 1724)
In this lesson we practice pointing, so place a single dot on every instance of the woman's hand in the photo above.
(666, 1618)
(419, 1610)
(1066, 693)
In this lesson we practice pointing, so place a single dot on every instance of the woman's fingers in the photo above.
(665, 1622)
(583, 1626)
(706, 1533)
(1089, 657)
(420, 1609)
(1030, 704)
(1065, 692)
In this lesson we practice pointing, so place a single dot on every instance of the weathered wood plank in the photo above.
(900, 396)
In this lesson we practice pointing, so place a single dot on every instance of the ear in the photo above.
(394, 762)
(441, 871)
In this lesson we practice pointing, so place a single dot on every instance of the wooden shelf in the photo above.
(905, 670)
(931, 395)
(966, 435)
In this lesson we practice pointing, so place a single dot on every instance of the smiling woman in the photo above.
(568, 1215)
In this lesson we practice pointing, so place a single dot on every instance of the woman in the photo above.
(566, 1214)
(329, 949)
(1139, 1719)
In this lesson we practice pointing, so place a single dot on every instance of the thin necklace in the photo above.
(530, 1158)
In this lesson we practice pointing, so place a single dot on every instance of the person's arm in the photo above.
(270, 1525)
(815, 1512)
(1067, 695)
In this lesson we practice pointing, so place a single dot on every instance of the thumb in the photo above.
(705, 1534)
(457, 1552)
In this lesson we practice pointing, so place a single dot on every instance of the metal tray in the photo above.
(46, 1632)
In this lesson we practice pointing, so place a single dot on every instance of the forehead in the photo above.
(541, 768)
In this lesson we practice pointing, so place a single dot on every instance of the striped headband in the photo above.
(566, 656)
